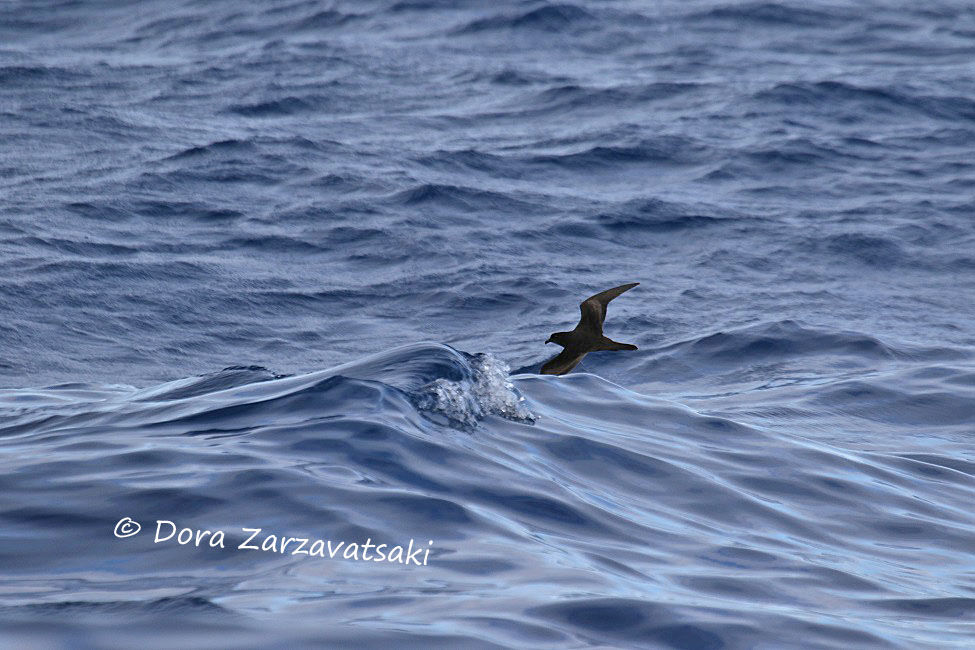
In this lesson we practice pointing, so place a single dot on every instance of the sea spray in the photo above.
(462, 404)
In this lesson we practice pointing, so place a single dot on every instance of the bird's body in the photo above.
(587, 335)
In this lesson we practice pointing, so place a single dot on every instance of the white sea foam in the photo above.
(464, 403)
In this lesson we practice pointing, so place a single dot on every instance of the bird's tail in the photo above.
(609, 344)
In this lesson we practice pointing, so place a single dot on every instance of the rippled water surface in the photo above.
(291, 266)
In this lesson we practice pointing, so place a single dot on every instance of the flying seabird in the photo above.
(588, 334)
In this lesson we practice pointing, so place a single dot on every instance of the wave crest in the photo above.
(463, 403)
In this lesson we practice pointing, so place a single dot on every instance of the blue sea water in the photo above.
(291, 266)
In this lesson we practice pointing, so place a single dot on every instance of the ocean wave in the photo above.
(658, 151)
(15, 74)
(455, 197)
(428, 440)
(655, 215)
(551, 17)
(326, 19)
(782, 14)
(834, 96)
(789, 338)
(869, 249)
(275, 107)
(220, 147)
(574, 96)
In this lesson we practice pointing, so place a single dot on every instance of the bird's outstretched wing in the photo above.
(566, 360)
(593, 308)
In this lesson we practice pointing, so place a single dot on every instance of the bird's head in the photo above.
(560, 338)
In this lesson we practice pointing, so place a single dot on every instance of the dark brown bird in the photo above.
(588, 334)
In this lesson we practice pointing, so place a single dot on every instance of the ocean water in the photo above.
(290, 266)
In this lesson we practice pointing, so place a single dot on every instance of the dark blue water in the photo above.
(269, 265)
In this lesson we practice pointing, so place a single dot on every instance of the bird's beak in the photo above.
(548, 341)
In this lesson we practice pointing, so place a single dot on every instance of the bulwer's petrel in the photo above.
(588, 334)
